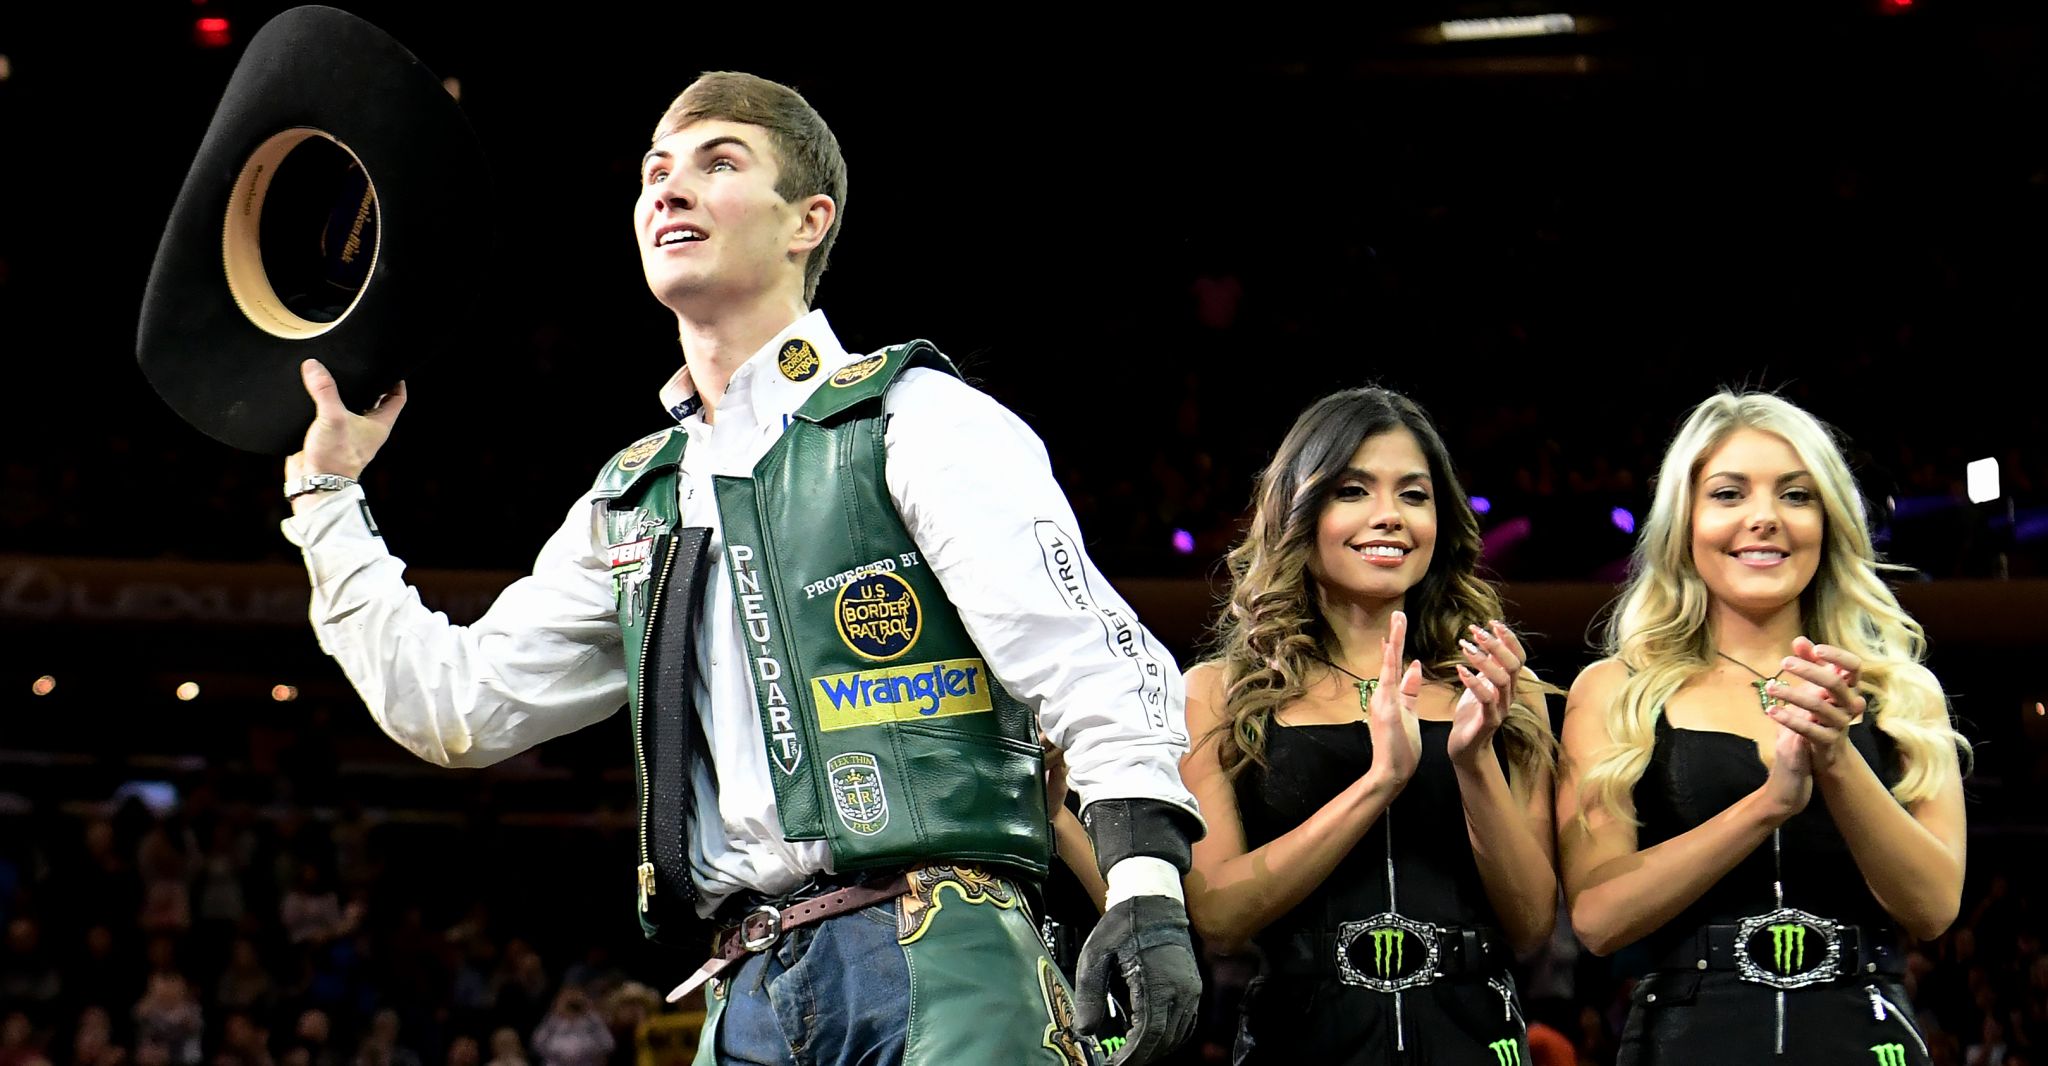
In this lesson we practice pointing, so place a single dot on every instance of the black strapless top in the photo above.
(1696, 774)
(1435, 877)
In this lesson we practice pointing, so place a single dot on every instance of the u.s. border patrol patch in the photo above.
(798, 361)
(878, 616)
(854, 373)
(857, 792)
(1059, 1012)
(636, 454)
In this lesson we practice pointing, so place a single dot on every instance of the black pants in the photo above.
(1677, 1017)
(1471, 1021)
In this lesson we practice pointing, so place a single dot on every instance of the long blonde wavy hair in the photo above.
(1658, 629)
(1272, 635)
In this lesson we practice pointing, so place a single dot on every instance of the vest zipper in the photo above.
(645, 872)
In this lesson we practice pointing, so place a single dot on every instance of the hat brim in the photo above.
(225, 353)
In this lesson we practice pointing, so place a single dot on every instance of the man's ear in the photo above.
(814, 220)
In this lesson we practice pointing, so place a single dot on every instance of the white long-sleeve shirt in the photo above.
(974, 488)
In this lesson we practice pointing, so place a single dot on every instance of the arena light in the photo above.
(1183, 542)
(1982, 478)
(1623, 519)
(284, 693)
(1493, 29)
(6, 67)
(1481, 504)
(44, 685)
(188, 691)
(1504, 536)
(211, 32)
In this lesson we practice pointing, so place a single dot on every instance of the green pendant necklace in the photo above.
(1763, 697)
(1366, 685)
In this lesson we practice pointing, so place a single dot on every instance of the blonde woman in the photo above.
(1761, 780)
(1378, 825)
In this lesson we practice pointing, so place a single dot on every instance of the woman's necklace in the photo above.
(1761, 684)
(1366, 685)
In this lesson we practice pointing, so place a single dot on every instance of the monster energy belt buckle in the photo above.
(1387, 952)
(1788, 948)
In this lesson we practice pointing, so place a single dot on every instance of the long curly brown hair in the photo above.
(1272, 637)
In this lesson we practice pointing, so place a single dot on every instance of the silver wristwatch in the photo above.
(311, 483)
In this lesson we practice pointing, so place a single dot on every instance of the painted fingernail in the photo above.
(1469, 648)
(1496, 623)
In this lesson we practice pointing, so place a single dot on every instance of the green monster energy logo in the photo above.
(1112, 1045)
(1788, 947)
(1387, 947)
(1890, 1054)
(1507, 1053)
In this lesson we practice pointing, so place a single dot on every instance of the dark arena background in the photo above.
(1156, 242)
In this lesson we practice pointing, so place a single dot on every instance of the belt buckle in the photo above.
(756, 943)
(1390, 969)
(1771, 949)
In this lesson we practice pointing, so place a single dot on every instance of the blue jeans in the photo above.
(832, 994)
(951, 974)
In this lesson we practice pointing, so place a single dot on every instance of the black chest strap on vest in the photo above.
(671, 734)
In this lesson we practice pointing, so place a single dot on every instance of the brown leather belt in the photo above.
(763, 925)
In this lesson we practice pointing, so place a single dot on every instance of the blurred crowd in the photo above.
(208, 934)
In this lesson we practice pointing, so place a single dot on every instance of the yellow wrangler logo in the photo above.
(1506, 1053)
(902, 693)
(1788, 947)
(1890, 1054)
(1386, 949)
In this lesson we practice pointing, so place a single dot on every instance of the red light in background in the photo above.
(1897, 5)
(211, 32)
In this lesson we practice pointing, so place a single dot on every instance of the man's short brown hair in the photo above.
(806, 154)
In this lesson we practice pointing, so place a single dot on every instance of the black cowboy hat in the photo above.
(321, 219)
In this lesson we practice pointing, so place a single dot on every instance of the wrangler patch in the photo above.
(877, 616)
(902, 693)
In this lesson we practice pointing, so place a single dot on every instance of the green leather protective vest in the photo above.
(887, 736)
